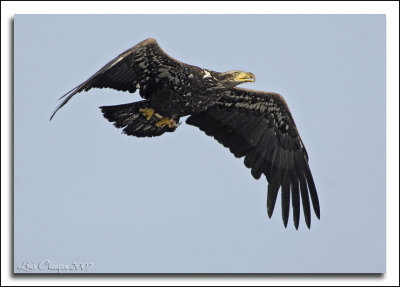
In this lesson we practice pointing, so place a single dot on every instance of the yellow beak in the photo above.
(245, 77)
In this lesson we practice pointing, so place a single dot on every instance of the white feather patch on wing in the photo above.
(206, 74)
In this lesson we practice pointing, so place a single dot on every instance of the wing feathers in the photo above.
(259, 127)
(313, 191)
(295, 199)
(285, 194)
(274, 185)
(305, 200)
(136, 67)
(258, 166)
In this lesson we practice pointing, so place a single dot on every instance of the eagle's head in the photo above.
(234, 78)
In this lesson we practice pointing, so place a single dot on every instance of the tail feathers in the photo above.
(133, 122)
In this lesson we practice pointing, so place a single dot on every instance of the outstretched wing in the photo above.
(139, 67)
(258, 126)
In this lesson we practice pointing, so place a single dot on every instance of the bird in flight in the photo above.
(253, 124)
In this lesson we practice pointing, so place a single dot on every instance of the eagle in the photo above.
(252, 124)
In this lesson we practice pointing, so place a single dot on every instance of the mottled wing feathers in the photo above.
(259, 127)
(133, 69)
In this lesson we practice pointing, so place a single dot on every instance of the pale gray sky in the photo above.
(85, 193)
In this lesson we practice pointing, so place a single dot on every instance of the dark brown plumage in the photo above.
(252, 124)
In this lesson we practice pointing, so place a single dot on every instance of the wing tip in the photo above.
(270, 210)
(69, 95)
(56, 110)
(317, 213)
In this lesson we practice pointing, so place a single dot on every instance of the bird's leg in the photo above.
(165, 122)
(147, 112)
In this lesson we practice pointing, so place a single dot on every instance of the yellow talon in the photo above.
(166, 122)
(147, 112)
